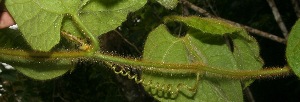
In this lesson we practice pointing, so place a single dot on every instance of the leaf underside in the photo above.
(293, 49)
(202, 47)
(40, 21)
(44, 70)
(41, 69)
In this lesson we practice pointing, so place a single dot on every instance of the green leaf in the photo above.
(36, 68)
(40, 21)
(195, 47)
(246, 51)
(44, 70)
(101, 16)
(207, 25)
(40, 69)
(169, 4)
(293, 49)
(70, 26)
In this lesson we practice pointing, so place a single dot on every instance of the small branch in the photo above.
(196, 8)
(249, 29)
(248, 94)
(209, 2)
(295, 4)
(278, 18)
(184, 10)
(131, 44)
(258, 32)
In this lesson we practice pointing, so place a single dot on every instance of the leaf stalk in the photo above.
(94, 41)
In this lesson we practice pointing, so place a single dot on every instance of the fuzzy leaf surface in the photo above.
(293, 49)
(195, 47)
(40, 21)
(169, 4)
(246, 51)
(101, 16)
(36, 69)
(40, 25)
(207, 25)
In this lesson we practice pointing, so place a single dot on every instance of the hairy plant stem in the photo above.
(95, 45)
(155, 67)
(193, 68)
(38, 55)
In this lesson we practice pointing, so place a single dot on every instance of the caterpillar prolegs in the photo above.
(159, 84)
